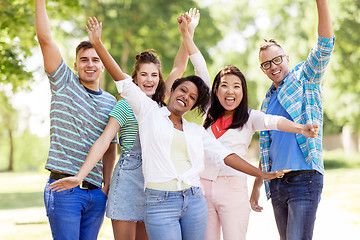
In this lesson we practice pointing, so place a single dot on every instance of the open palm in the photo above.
(94, 30)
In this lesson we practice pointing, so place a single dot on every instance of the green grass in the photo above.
(22, 209)
(22, 190)
(344, 185)
(21, 194)
(336, 159)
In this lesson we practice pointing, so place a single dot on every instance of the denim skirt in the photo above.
(126, 198)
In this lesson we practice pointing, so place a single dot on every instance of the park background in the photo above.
(229, 32)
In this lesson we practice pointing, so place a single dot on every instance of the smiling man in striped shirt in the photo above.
(78, 115)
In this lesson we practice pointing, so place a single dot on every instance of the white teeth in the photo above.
(230, 99)
(90, 71)
(277, 72)
(181, 102)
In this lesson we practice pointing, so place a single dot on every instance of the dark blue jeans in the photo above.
(295, 201)
(75, 213)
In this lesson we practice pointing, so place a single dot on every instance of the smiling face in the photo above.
(89, 68)
(229, 93)
(147, 78)
(276, 73)
(183, 98)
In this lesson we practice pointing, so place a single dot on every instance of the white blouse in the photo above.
(238, 140)
(156, 133)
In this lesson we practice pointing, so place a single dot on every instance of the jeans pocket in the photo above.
(102, 192)
(65, 192)
(198, 192)
(131, 163)
(47, 198)
(152, 200)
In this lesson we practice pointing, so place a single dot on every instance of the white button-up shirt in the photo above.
(156, 133)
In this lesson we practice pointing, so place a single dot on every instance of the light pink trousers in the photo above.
(228, 207)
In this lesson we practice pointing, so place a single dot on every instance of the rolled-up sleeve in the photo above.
(318, 59)
(261, 121)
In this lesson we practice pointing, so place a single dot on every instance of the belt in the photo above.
(83, 185)
(296, 173)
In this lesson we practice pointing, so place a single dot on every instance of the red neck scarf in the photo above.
(220, 126)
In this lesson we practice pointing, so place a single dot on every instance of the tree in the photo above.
(132, 26)
(8, 117)
(16, 17)
(343, 87)
(17, 39)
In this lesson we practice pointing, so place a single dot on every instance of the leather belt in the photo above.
(296, 173)
(83, 185)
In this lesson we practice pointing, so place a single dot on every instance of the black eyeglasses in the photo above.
(276, 60)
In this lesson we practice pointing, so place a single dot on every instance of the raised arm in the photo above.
(184, 23)
(182, 55)
(49, 49)
(94, 31)
(100, 147)
(324, 25)
(196, 57)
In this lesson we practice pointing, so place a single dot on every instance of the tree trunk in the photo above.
(11, 153)
(126, 53)
(349, 139)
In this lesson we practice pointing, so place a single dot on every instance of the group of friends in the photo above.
(175, 179)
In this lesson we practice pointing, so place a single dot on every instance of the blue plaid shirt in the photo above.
(300, 95)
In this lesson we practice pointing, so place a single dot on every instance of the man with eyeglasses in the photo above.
(296, 95)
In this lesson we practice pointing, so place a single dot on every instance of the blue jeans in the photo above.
(295, 201)
(175, 215)
(74, 213)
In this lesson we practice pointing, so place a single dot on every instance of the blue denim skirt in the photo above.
(126, 198)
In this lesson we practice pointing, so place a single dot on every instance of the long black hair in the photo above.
(216, 110)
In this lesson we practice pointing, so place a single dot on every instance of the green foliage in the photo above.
(132, 26)
(8, 115)
(343, 87)
(16, 17)
(330, 127)
(30, 152)
(291, 23)
(17, 36)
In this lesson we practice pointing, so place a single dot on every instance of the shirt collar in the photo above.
(166, 113)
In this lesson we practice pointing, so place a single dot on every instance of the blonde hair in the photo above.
(268, 43)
